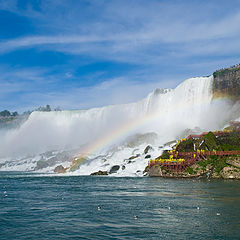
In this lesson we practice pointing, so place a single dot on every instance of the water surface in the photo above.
(54, 207)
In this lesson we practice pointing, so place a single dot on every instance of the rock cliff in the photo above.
(226, 83)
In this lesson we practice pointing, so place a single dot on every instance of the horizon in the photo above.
(88, 54)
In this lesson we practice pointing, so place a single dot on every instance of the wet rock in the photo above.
(148, 156)
(133, 157)
(114, 169)
(100, 173)
(215, 175)
(146, 169)
(130, 161)
(234, 162)
(41, 164)
(230, 173)
(155, 171)
(60, 169)
(47, 161)
(76, 163)
(147, 149)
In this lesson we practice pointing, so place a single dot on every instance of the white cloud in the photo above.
(150, 34)
(27, 89)
(112, 91)
(126, 32)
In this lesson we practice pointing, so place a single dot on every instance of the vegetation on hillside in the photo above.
(228, 141)
(225, 71)
(202, 155)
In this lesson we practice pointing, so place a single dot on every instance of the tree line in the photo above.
(47, 108)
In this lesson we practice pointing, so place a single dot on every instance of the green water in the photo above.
(45, 207)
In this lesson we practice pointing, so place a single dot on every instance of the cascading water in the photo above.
(95, 132)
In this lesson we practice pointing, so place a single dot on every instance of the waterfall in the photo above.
(166, 112)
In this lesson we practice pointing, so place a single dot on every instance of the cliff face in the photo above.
(226, 83)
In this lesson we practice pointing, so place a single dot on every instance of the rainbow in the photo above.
(131, 126)
(126, 129)
(117, 133)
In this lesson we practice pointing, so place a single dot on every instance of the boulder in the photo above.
(155, 171)
(230, 173)
(147, 149)
(215, 175)
(234, 162)
(114, 169)
(60, 169)
(99, 173)
(148, 156)
(133, 157)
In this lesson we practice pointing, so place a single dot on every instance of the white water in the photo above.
(168, 112)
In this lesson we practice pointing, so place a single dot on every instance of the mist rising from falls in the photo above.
(167, 113)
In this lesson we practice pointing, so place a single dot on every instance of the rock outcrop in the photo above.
(60, 169)
(133, 157)
(226, 83)
(234, 162)
(194, 171)
(99, 173)
(114, 169)
(230, 173)
(147, 149)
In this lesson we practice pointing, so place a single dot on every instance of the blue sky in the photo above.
(78, 54)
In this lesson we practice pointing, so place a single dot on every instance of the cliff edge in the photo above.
(226, 83)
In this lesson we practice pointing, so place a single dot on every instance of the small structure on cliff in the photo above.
(212, 149)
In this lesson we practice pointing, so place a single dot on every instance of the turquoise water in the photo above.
(44, 207)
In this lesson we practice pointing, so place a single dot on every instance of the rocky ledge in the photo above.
(211, 155)
(199, 170)
(99, 173)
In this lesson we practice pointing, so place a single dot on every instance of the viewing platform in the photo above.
(179, 161)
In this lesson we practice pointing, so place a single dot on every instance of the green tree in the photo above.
(48, 108)
(15, 114)
(5, 113)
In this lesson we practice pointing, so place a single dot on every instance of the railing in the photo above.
(180, 160)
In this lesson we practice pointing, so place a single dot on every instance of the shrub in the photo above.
(210, 140)
(165, 155)
(190, 170)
